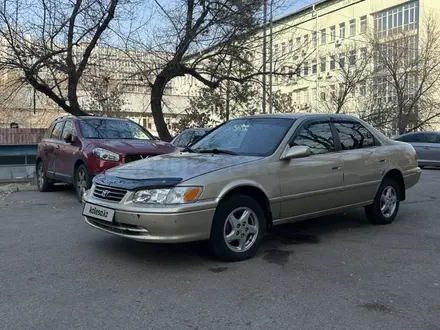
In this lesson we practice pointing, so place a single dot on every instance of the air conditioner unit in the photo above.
(319, 76)
(329, 74)
(338, 42)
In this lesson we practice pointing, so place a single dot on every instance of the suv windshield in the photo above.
(245, 136)
(112, 129)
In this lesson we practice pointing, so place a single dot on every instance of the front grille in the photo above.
(109, 194)
(132, 158)
(119, 228)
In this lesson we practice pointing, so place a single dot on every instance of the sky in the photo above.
(294, 5)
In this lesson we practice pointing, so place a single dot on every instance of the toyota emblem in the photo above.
(105, 193)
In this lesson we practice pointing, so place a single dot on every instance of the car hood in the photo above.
(135, 147)
(169, 169)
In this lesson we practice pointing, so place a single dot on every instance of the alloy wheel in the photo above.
(388, 201)
(241, 229)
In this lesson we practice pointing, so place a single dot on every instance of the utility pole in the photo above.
(264, 54)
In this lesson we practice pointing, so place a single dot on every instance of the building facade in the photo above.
(318, 52)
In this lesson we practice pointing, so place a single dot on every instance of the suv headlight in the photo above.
(105, 154)
(177, 195)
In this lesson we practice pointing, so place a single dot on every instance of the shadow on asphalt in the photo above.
(272, 249)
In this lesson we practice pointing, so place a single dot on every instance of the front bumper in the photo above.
(158, 225)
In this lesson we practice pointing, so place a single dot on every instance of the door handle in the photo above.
(336, 168)
(57, 147)
(383, 161)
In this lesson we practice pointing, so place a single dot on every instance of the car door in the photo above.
(431, 148)
(418, 142)
(51, 147)
(67, 153)
(365, 161)
(311, 184)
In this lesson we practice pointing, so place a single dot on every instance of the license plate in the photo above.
(98, 212)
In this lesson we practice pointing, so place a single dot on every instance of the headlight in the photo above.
(178, 195)
(106, 154)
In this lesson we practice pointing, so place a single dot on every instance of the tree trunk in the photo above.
(156, 108)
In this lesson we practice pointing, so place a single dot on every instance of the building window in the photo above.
(323, 37)
(332, 63)
(352, 58)
(342, 30)
(323, 64)
(283, 48)
(363, 88)
(306, 39)
(306, 69)
(342, 61)
(363, 23)
(332, 34)
(396, 20)
(306, 96)
(333, 91)
(352, 27)
(314, 67)
(298, 42)
(322, 96)
(314, 38)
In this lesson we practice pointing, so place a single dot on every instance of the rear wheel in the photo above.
(43, 183)
(238, 228)
(82, 181)
(386, 203)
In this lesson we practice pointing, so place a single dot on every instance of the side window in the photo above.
(48, 132)
(69, 128)
(176, 140)
(432, 138)
(185, 139)
(56, 133)
(413, 138)
(354, 136)
(317, 136)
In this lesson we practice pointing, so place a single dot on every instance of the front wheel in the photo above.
(82, 181)
(238, 228)
(386, 203)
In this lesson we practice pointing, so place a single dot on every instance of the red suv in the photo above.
(74, 149)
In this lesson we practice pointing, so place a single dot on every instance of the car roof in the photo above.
(420, 132)
(302, 116)
(88, 117)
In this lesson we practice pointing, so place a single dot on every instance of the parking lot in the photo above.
(336, 272)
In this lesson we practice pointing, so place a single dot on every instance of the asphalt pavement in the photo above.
(336, 272)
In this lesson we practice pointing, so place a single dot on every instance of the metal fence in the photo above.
(17, 162)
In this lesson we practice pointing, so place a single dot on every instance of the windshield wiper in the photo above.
(216, 151)
(187, 149)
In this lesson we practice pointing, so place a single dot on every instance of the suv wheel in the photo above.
(43, 183)
(238, 228)
(82, 181)
(386, 203)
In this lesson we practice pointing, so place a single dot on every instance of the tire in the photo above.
(43, 183)
(249, 232)
(384, 216)
(81, 181)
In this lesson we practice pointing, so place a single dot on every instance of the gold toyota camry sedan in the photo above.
(250, 174)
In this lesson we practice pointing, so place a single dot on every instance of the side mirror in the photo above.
(68, 138)
(156, 138)
(296, 152)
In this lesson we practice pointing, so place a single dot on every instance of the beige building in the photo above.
(311, 43)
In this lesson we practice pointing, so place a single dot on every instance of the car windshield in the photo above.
(245, 136)
(112, 129)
